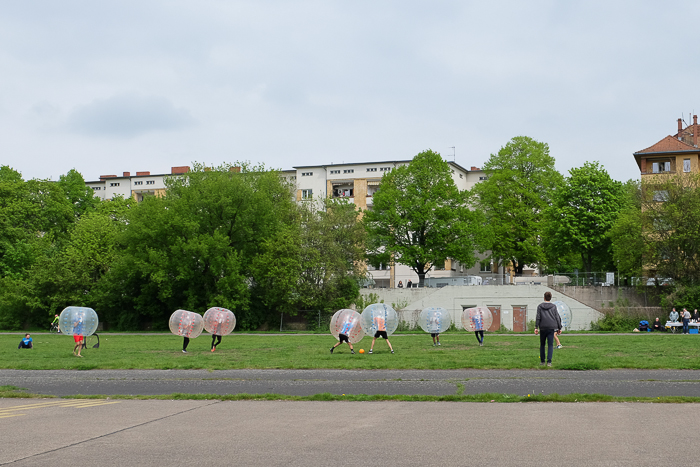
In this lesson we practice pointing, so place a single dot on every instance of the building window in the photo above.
(371, 169)
(461, 175)
(306, 194)
(150, 182)
(334, 172)
(114, 184)
(293, 177)
(686, 165)
(485, 266)
(97, 188)
(307, 174)
(661, 195)
(384, 169)
(349, 171)
(482, 178)
(660, 167)
(138, 183)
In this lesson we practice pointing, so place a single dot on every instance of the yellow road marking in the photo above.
(73, 404)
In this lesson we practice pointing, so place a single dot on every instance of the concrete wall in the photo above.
(599, 297)
(456, 298)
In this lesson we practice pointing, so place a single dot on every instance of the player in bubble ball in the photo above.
(343, 336)
(380, 324)
(434, 326)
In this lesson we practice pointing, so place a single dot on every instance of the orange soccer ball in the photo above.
(362, 350)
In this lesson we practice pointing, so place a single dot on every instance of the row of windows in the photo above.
(351, 171)
(307, 174)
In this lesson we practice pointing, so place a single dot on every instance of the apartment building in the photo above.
(357, 182)
(136, 186)
(678, 153)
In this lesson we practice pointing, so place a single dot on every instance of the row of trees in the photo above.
(224, 237)
(218, 238)
(524, 213)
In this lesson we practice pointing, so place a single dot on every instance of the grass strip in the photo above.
(327, 397)
(13, 392)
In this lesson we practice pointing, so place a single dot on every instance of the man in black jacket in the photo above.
(547, 323)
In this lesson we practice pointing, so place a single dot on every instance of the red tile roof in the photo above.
(668, 144)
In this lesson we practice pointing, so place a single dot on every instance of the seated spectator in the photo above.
(657, 326)
(26, 343)
(643, 326)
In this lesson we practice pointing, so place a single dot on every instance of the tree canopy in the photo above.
(583, 210)
(420, 219)
(520, 185)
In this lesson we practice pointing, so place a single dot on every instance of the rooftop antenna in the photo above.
(453, 154)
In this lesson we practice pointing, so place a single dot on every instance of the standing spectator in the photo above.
(657, 326)
(673, 316)
(696, 316)
(547, 323)
(409, 284)
(686, 320)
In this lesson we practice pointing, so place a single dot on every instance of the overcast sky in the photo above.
(112, 86)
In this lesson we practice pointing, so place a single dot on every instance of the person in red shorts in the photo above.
(78, 336)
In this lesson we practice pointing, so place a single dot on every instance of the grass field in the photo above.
(413, 351)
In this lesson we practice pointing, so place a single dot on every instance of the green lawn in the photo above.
(413, 351)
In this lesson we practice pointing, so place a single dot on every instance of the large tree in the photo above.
(194, 248)
(626, 237)
(521, 181)
(419, 218)
(583, 210)
(670, 219)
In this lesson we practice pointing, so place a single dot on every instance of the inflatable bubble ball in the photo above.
(219, 321)
(434, 320)
(379, 315)
(564, 312)
(186, 323)
(78, 321)
(477, 319)
(347, 322)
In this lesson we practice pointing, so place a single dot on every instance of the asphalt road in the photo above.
(636, 383)
(248, 433)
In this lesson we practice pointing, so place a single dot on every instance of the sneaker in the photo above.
(392, 351)
(213, 349)
(434, 344)
(332, 349)
(438, 343)
(481, 344)
(541, 363)
(559, 346)
(370, 350)
(549, 364)
(352, 351)
(184, 351)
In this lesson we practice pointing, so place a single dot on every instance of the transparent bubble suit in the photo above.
(477, 319)
(374, 315)
(186, 324)
(434, 320)
(78, 320)
(348, 322)
(564, 313)
(219, 321)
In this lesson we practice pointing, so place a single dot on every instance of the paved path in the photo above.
(636, 383)
(278, 433)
